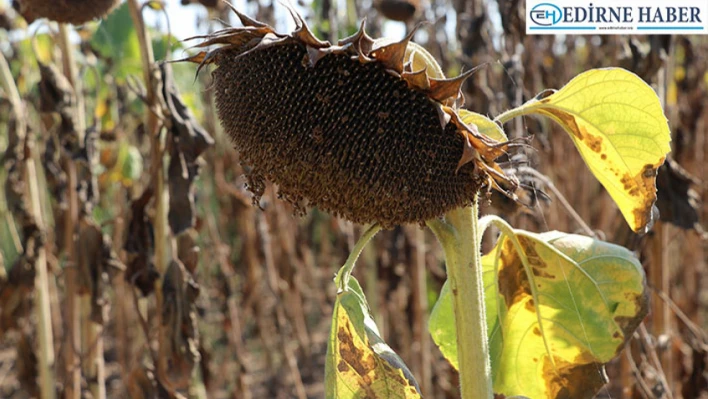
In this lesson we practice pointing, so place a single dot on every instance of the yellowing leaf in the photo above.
(359, 364)
(559, 306)
(485, 126)
(616, 122)
(420, 58)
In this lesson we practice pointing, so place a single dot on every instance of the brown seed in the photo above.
(74, 12)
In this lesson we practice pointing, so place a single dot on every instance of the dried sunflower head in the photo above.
(366, 129)
(74, 12)
(398, 10)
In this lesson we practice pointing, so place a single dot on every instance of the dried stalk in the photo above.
(273, 282)
(41, 285)
(659, 272)
(90, 337)
(152, 126)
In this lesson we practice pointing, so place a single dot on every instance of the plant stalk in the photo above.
(41, 285)
(151, 77)
(510, 114)
(78, 327)
(153, 125)
(461, 242)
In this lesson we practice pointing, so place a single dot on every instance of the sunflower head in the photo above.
(366, 129)
(74, 12)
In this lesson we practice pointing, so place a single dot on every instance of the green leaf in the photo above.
(559, 306)
(442, 318)
(161, 43)
(117, 39)
(616, 122)
(484, 125)
(359, 364)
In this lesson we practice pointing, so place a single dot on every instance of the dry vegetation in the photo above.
(174, 284)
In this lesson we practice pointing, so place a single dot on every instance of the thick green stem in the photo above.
(461, 241)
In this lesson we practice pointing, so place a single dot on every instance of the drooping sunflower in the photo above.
(74, 12)
(366, 129)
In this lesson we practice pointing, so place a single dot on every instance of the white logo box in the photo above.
(617, 17)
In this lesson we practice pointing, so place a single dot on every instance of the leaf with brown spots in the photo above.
(616, 121)
(559, 306)
(359, 363)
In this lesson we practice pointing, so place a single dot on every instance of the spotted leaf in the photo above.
(559, 306)
(616, 121)
(359, 363)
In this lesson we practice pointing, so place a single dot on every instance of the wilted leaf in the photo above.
(677, 201)
(556, 312)
(140, 247)
(55, 175)
(87, 162)
(57, 96)
(96, 260)
(179, 336)
(188, 250)
(359, 363)
(26, 363)
(17, 286)
(188, 141)
(616, 122)
(15, 293)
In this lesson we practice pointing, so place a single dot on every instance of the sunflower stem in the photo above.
(342, 278)
(511, 114)
(461, 242)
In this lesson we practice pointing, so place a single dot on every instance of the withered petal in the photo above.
(392, 55)
(443, 90)
(418, 80)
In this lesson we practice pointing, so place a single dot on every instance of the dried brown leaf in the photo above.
(179, 339)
